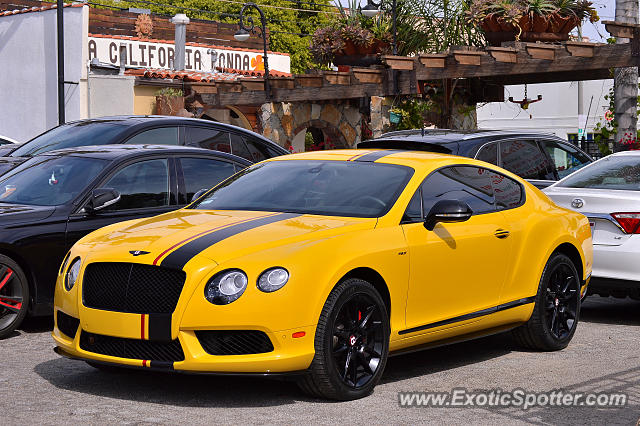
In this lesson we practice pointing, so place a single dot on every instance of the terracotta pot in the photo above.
(506, 26)
(540, 24)
(349, 48)
(492, 24)
(525, 23)
(169, 105)
(571, 23)
(556, 22)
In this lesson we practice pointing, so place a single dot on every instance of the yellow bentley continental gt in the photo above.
(321, 264)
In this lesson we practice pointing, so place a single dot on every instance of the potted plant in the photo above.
(529, 20)
(351, 39)
(169, 101)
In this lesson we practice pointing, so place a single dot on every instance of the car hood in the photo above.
(12, 214)
(594, 200)
(173, 239)
(8, 163)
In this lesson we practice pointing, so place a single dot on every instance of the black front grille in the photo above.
(67, 324)
(234, 342)
(132, 288)
(131, 348)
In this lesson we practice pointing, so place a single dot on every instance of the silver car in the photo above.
(608, 193)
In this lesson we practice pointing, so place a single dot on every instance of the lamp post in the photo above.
(243, 34)
(372, 9)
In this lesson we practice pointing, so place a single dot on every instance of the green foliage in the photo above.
(169, 92)
(284, 25)
(607, 130)
(412, 111)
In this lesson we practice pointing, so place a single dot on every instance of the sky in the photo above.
(606, 11)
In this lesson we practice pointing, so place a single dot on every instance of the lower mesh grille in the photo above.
(234, 342)
(131, 348)
(67, 324)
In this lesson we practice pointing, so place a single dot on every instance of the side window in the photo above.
(208, 138)
(465, 183)
(566, 159)
(525, 159)
(257, 150)
(238, 147)
(488, 153)
(508, 192)
(414, 209)
(141, 185)
(159, 136)
(204, 173)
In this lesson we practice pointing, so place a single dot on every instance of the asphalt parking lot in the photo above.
(39, 387)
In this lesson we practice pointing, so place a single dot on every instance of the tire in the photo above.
(351, 343)
(557, 308)
(14, 296)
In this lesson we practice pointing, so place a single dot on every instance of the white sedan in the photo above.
(608, 193)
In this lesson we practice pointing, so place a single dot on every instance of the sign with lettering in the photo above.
(147, 54)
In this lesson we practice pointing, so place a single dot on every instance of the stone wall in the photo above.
(340, 123)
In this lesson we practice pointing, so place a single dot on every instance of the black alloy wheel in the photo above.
(358, 340)
(14, 296)
(351, 343)
(561, 301)
(557, 307)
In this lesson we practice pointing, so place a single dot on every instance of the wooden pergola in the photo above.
(485, 69)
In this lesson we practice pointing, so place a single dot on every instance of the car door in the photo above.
(565, 159)
(196, 173)
(147, 188)
(458, 268)
(524, 158)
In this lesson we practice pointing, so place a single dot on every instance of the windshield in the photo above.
(71, 135)
(613, 172)
(49, 181)
(334, 188)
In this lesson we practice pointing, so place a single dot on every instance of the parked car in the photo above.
(608, 193)
(539, 158)
(320, 264)
(54, 199)
(7, 145)
(157, 130)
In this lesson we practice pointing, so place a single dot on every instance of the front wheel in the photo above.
(351, 343)
(14, 296)
(557, 307)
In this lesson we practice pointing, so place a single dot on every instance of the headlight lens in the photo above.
(273, 279)
(72, 274)
(226, 287)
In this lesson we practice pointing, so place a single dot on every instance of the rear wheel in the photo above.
(557, 307)
(14, 296)
(351, 343)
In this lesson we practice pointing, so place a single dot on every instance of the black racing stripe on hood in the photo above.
(184, 254)
(373, 156)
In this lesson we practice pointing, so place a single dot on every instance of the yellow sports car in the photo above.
(322, 264)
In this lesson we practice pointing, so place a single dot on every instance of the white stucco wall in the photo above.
(110, 95)
(28, 63)
(557, 112)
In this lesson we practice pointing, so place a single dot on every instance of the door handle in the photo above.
(501, 233)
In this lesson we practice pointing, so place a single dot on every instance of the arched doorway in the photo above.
(228, 115)
(317, 135)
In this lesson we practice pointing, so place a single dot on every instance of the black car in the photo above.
(52, 200)
(540, 158)
(157, 130)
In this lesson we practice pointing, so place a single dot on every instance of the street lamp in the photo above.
(243, 35)
(372, 9)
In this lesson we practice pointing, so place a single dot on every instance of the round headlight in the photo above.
(226, 287)
(72, 274)
(273, 279)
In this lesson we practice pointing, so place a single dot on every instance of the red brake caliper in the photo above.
(5, 301)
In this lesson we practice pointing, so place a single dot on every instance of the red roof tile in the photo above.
(37, 9)
(254, 73)
(182, 75)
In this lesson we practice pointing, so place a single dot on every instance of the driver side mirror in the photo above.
(101, 198)
(199, 194)
(447, 211)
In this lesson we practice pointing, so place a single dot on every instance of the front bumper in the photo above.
(289, 354)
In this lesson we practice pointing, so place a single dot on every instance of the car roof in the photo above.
(120, 151)
(135, 120)
(443, 137)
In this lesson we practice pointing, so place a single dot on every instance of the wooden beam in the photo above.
(554, 77)
(620, 29)
(584, 50)
(604, 58)
(434, 60)
(504, 54)
(398, 62)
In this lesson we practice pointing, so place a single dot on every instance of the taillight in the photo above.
(630, 222)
